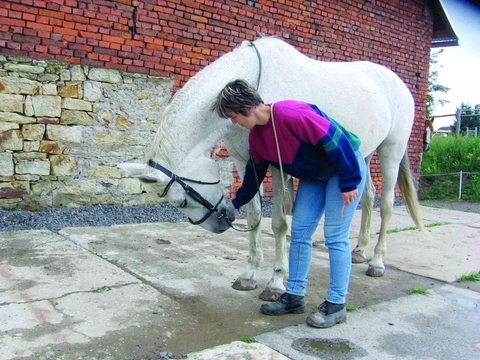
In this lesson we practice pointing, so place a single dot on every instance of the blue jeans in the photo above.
(314, 198)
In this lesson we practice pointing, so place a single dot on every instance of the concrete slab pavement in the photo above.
(153, 291)
(442, 325)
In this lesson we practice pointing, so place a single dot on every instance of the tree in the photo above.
(467, 120)
(433, 86)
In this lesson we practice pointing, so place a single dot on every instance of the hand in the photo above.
(229, 202)
(233, 208)
(348, 197)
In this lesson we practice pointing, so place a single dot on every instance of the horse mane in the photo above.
(164, 141)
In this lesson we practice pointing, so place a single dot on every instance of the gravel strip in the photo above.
(59, 218)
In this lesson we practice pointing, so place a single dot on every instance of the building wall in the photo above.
(175, 39)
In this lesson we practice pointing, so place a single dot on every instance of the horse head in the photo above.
(428, 134)
(179, 164)
(200, 199)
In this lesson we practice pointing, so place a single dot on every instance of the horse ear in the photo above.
(131, 169)
(141, 171)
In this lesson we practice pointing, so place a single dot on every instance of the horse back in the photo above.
(366, 98)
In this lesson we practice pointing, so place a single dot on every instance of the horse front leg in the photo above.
(358, 253)
(248, 280)
(276, 287)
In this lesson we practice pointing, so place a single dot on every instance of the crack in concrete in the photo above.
(96, 290)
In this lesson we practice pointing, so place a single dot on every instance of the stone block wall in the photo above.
(64, 128)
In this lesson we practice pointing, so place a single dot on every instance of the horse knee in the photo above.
(279, 225)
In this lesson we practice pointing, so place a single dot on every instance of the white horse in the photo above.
(367, 99)
(428, 134)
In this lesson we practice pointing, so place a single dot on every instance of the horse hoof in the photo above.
(375, 272)
(244, 284)
(358, 257)
(270, 295)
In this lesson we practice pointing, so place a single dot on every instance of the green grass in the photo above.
(396, 230)
(440, 178)
(425, 203)
(248, 339)
(451, 154)
(351, 308)
(473, 276)
(418, 290)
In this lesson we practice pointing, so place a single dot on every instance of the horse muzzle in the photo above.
(228, 213)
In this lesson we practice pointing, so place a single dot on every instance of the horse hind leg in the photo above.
(390, 169)
(248, 280)
(358, 253)
(276, 287)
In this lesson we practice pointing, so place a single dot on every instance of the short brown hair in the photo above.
(237, 96)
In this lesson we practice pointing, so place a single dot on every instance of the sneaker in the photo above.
(285, 304)
(328, 314)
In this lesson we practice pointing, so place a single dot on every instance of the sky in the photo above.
(459, 66)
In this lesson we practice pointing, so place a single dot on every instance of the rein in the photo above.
(190, 191)
(261, 212)
(259, 57)
(259, 64)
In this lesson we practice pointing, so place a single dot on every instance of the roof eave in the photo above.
(443, 33)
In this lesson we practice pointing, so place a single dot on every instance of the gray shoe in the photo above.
(328, 314)
(285, 304)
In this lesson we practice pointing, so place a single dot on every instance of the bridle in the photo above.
(195, 195)
(190, 192)
(427, 136)
(174, 178)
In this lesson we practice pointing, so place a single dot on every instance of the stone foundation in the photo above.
(64, 128)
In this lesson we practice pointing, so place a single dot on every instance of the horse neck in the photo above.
(180, 140)
(189, 128)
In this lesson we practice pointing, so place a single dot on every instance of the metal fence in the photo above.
(462, 176)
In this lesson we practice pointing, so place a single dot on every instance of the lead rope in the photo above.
(259, 64)
(287, 201)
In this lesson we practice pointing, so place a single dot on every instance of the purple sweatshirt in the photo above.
(310, 144)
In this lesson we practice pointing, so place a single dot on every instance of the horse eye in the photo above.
(183, 204)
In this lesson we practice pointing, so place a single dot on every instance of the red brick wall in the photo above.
(178, 38)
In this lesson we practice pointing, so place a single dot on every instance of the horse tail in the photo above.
(407, 187)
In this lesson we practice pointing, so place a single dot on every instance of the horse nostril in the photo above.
(223, 213)
(231, 215)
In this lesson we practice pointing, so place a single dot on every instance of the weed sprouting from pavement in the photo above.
(418, 290)
(396, 230)
(472, 276)
(351, 308)
(248, 339)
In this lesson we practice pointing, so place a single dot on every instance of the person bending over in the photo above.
(326, 159)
